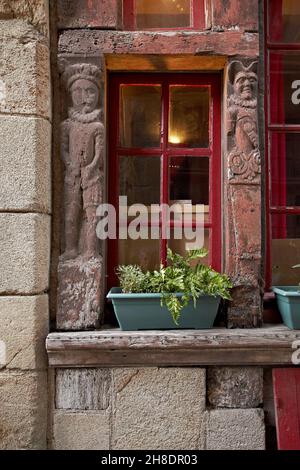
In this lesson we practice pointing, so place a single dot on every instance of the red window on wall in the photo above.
(164, 148)
(163, 14)
(283, 140)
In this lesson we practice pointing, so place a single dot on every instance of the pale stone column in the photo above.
(25, 208)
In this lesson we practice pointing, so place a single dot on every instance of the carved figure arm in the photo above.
(72, 167)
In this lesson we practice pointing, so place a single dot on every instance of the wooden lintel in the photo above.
(272, 346)
(163, 63)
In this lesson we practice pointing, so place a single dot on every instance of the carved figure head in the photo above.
(83, 83)
(244, 80)
(84, 95)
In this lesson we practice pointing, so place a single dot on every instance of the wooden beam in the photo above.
(113, 348)
(286, 384)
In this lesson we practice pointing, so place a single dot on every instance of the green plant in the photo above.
(177, 282)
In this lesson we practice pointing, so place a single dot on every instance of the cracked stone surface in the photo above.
(158, 408)
(24, 325)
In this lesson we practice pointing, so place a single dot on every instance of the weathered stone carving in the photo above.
(82, 138)
(244, 156)
(82, 153)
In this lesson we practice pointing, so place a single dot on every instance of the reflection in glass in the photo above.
(189, 179)
(284, 20)
(140, 116)
(163, 13)
(189, 116)
(284, 73)
(285, 249)
(179, 246)
(144, 253)
(140, 179)
(285, 169)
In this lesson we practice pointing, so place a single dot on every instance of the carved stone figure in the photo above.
(244, 156)
(82, 153)
(80, 269)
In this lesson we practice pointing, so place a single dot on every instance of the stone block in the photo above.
(24, 253)
(36, 12)
(158, 409)
(235, 387)
(81, 431)
(24, 325)
(23, 410)
(83, 389)
(235, 430)
(25, 177)
(80, 293)
(24, 70)
(234, 14)
(89, 14)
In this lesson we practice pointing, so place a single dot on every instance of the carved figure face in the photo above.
(245, 84)
(85, 96)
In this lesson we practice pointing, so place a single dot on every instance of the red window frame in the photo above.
(283, 210)
(197, 17)
(166, 150)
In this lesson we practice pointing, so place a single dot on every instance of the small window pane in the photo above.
(181, 246)
(285, 249)
(140, 116)
(163, 13)
(140, 179)
(189, 181)
(144, 253)
(285, 87)
(285, 169)
(284, 20)
(189, 116)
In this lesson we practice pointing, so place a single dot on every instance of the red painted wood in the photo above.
(165, 151)
(197, 16)
(286, 383)
(283, 128)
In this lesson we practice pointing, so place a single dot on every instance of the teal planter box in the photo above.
(288, 300)
(144, 312)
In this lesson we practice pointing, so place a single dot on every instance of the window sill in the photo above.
(271, 345)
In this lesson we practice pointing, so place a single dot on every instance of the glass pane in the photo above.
(285, 169)
(140, 179)
(284, 20)
(144, 253)
(285, 249)
(140, 115)
(189, 181)
(189, 116)
(284, 87)
(163, 13)
(181, 246)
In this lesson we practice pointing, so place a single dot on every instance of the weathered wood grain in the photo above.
(108, 348)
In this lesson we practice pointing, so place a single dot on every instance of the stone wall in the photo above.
(25, 208)
(158, 409)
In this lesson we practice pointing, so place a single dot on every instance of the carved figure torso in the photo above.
(244, 157)
(82, 143)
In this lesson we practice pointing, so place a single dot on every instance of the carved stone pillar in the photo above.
(242, 186)
(80, 269)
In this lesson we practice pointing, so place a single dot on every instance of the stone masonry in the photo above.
(25, 208)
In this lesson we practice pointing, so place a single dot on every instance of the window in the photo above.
(283, 140)
(163, 14)
(164, 148)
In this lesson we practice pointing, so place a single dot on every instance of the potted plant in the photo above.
(177, 296)
(288, 301)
